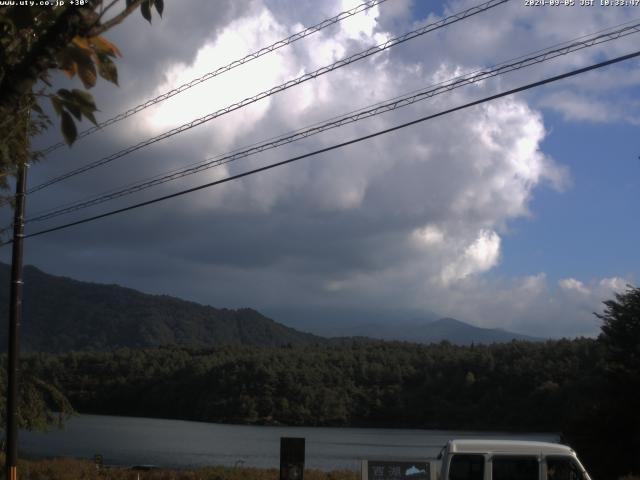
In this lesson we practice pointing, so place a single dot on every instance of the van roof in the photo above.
(508, 446)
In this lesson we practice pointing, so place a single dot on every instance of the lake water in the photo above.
(175, 443)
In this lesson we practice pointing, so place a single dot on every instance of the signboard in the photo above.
(291, 458)
(395, 470)
(99, 461)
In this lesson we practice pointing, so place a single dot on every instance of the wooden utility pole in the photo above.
(15, 318)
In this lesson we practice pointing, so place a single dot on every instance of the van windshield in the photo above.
(563, 468)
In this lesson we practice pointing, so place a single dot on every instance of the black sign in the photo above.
(291, 458)
(390, 470)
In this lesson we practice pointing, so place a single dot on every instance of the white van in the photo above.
(509, 460)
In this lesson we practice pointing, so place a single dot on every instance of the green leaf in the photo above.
(145, 9)
(159, 4)
(84, 63)
(102, 47)
(57, 104)
(90, 117)
(37, 108)
(75, 109)
(87, 73)
(84, 99)
(108, 70)
(68, 101)
(69, 131)
(66, 63)
(77, 102)
(65, 94)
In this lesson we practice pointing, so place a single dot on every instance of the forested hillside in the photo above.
(385, 384)
(62, 314)
(565, 386)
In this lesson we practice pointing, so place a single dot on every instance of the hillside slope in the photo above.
(62, 314)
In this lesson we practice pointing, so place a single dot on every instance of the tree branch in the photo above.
(99, 29)
(105, 9)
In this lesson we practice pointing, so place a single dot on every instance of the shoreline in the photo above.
(65, 468)
(179, 444)
(371, 426)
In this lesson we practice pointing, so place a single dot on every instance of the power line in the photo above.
(214, 73)
(609, 31)
(339, 145)
(340, 121)
(291, 83)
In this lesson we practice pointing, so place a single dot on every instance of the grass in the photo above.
(74, 469)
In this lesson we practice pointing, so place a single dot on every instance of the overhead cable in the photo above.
(291, 83)
(337, 146)
(214, 73)
(352, 117)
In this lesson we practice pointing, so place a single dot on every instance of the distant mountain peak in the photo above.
(63, 314)
(450, 321)
(459, 332)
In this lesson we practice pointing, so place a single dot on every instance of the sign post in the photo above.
(291, 458)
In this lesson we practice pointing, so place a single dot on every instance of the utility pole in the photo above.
(15, 318)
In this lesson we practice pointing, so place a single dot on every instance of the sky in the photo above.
(519, 213)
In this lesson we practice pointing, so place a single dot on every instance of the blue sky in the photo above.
(518, 214)
(590, 228)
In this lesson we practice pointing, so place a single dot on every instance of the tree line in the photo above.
(382, 384)
(584, 388)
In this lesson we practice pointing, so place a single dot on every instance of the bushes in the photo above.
(74, 469)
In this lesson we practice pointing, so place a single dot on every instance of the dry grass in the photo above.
(73, 469)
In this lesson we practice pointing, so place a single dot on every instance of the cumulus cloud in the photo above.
(415, 218)
(589, 108)
(478, 257)
(573, 285)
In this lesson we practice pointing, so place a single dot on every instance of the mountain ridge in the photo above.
(63, 314)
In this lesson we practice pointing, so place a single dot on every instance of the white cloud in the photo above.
(613, 285)
(571, 284)
(429, 235)
(239, 38)
(482, 255)
(361, 27)
(413, 218)
(453, 182)
(585, 107)
(578, 107)
(527, 304)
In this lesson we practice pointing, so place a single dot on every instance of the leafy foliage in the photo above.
(147, 5)
(608, 430)
(621, 337)
(73, 469)
(42, 405)
(35, 40)
(529, 386)
(383, 384)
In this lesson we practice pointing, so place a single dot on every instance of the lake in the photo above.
(182, 444)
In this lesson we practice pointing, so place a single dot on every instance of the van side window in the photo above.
(466, 467)
(563, 468)
(512, 467)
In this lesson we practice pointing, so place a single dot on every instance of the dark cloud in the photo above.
(409, 221)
